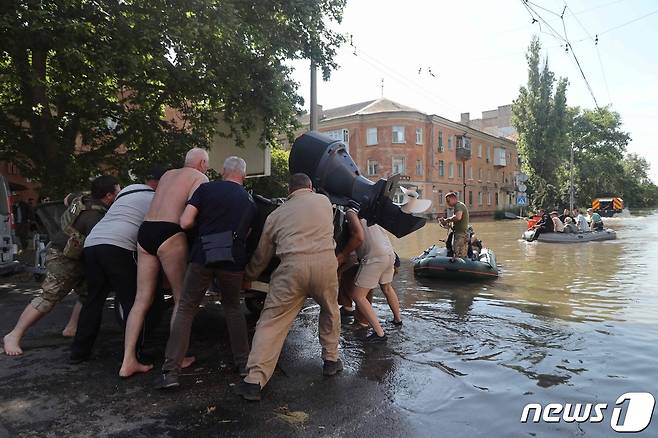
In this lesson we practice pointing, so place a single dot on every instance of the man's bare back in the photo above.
(175, 188)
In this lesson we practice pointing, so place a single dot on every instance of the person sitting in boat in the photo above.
(545, 225)
(581, 222)
(565, 214)
(558, 226)
(569, 226)
(596, 223)
(535, 219)
(475, 245)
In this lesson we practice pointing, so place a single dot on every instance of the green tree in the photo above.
(599, 147)
(80, 80)
(637, 189)
(540, 117)
(275, 185)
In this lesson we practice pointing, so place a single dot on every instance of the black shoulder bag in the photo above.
(226, 246)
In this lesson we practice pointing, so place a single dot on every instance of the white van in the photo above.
(8, 247)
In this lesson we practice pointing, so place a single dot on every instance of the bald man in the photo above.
(162, 242)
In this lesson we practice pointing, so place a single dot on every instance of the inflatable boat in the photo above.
(589, 236)
(435, 263)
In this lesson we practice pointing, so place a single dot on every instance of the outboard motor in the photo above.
(334, 173)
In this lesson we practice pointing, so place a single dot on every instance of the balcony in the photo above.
(500, 157)
(463, 149)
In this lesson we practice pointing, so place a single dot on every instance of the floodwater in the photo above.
(563, 324)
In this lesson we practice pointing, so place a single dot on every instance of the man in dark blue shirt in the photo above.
(223, 212)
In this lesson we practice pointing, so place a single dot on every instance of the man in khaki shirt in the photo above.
(301, 234)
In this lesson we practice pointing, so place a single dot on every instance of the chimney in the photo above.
(320, 112)
(465, 118)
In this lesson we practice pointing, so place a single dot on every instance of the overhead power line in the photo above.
(557, 35)
(629, 22)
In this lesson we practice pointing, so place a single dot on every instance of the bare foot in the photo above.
(129, 369)
(11, 345)
(69, 332)
(187, 361)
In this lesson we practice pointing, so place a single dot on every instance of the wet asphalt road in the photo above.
(42, 395)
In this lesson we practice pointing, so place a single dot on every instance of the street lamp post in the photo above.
(314, 98)
(571, 195)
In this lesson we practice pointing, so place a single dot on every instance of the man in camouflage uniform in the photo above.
(64, 273)
(459, 222)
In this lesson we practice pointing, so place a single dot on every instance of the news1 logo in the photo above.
(632, 412)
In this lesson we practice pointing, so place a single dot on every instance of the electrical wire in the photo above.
(536, 16)
(628, 22)
(596, 45)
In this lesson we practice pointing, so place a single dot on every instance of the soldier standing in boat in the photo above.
(459, 222)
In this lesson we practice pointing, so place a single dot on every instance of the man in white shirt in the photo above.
(111, 260)
(581, 221)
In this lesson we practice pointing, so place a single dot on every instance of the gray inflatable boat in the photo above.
(589, 236)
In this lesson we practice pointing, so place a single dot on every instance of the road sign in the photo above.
(521, 200)
(522, 177)
(522, 187)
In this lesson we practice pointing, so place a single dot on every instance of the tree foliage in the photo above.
(275, 185)
(540, 117)
(81, 80)
(547, 127)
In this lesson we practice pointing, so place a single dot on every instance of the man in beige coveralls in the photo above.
(300, 233)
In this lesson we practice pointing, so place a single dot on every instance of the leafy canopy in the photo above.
(82, 79)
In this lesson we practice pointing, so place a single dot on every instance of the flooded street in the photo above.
(563, 324)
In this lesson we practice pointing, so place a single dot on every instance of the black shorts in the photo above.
(153, 234)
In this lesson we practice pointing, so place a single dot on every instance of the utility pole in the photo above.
(571, 196)
(464, 178)
(314, 97)
(382, 87)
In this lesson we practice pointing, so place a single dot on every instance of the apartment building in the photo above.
(433, 154)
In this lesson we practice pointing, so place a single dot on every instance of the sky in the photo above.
(476, 51)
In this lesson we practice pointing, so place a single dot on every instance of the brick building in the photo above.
(23, 189)
(432, 153)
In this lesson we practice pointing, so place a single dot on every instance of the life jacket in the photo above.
(76, 241)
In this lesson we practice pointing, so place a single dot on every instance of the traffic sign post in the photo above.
(521, 200)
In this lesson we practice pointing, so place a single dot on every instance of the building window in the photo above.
(373, 168)
(496, 198)
(399, 165)
(371, 136)
(479, 198)
(419, 167)
(488, 198)
(440, 197)
(398, 134)
(341, 135)
(419, 135)
(488, 153)
(459, 170)
(480, 150)
(480, 174)
(470, 198)
(442, 168)
(488, 175)
(450, 143)
(469, 174)
(451, 170)
(440, 141)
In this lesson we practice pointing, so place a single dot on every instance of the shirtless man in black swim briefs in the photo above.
(162, 242)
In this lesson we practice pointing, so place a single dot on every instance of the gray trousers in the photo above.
(197, 280)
